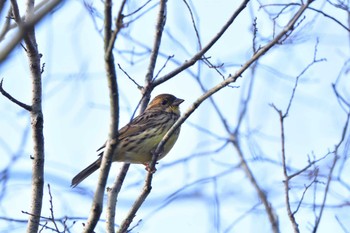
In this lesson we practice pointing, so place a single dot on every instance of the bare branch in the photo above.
(7, 24)
(311, 163)
(330, 175)
(140, 8)
(112, 38)
(148, 180)
(282, 117)
(285, 173)
(342, 225)
(36, 114)
(303, 195)
(166, 62)
(113, 193)
(340, 98)
(161, 20)
(285, 6)
(109, 153)
(230, 79)
(133, 80)
(145, 99)
(314, 61)
(199, 55)
(51, 209)
(30, 21)
(194, 24)
(273, 218)
(330, 17)
(12, 99)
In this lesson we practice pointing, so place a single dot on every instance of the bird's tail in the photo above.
(86, 172)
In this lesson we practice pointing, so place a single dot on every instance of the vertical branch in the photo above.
(154, 54)
(113, 192)
(37, 119)
(285, 173)
(282, 117)
(110, 39)
(146, 96)
(97, 205)
(113, 197)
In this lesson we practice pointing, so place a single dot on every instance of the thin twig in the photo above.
(109, 44)
(157, 40)
(194, 25)
(314, 61)
(330, 175)
(246, 99)
(51, 209)
(161, 20)
(215, 67)
(162, 68)
(285, 173)
(303, 195)
(137, 10)
(200, 54)
(133, 80)
(340, 98)
(311, 163)
(342, 225)
(282, 117)
(12, 99)
(285, 6)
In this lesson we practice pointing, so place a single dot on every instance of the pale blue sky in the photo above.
(206, 192)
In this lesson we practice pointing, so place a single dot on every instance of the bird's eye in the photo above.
(164, 102)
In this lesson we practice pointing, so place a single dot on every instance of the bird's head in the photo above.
(166, 102)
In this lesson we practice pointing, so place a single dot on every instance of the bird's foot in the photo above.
(149, 169)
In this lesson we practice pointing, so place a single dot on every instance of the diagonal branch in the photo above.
(331, 171)
(200, 54)
(30, 21)
(272, 217)
(12, 99)
(230, 79)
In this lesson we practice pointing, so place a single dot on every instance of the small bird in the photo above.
(139, 138)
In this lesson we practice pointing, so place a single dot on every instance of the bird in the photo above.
(139, 138)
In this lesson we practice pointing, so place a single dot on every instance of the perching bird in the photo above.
(139, 138)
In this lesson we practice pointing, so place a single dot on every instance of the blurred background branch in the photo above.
(229, 61)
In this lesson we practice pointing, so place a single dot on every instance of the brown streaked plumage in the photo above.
(141, 136)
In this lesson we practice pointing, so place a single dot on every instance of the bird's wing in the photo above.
(138, 124)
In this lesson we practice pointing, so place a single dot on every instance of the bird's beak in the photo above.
(177, 102)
